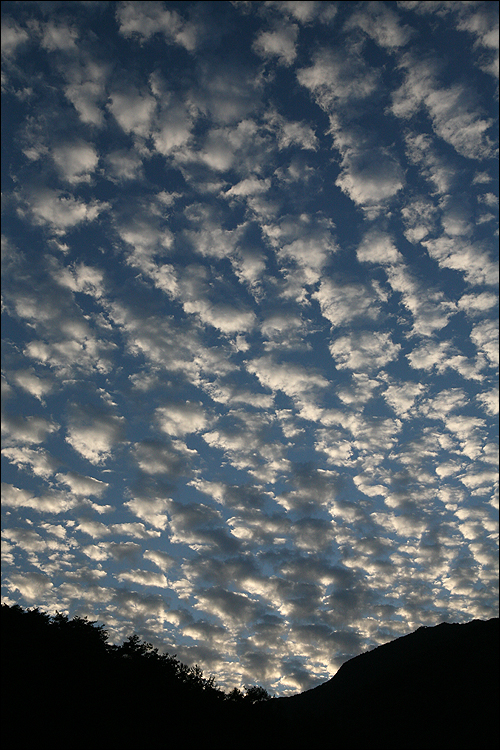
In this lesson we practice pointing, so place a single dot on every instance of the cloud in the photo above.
(383, 25)
(86, 89)
(279, 43)
(172, 129)
(485, 337)
(245, 441)
(124, 165)
(489, 401)
(153, 510)
(58, 37)
(93, 432)
(156, 457)
(144, 578)
(249, 294)
(250, 186)
(378, 247)
(452, 110)
(30, 430)
(343, 303)
(194, 291)
(50, 502)
(13, 36)
(32, 586)
(82, 485)
(82, 278)
(75, 161)
(401, 398)
(421, 150)
(163, 560)
(472, 259)
(364, 350)
(32, 384)
(337, 78)
(370, 177)
(60, 211)
(133, 111)
(292, 133)
(304, 11)
(37, 460)
(144, 21)
(294, 380)
(182, 418)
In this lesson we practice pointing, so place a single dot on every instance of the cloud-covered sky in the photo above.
(250, 324)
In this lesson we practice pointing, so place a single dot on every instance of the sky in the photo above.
(250, 324)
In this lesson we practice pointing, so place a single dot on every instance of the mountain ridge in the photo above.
(434, 688)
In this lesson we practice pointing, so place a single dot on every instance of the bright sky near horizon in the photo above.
(250, 324)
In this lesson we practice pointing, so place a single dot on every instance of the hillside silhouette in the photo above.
(63, 682)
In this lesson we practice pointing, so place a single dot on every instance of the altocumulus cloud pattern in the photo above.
(250, 324)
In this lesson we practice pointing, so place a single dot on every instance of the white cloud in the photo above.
(304, 11)
(172, 129)
(182, 418)
(341, 303)
(402, 397)
(61, 211)
(381, 23)
(419, 218)
(37, 460)
(82, 485)
(294, 380)
(278, 43)
(30, 430)
(485, 337)
(124, 165)
(153, 510)
(144, 578)
(471, 259)
(336, 77)
(476, 303)
(32, 586)
(194, 293)
(370, 177)
(378, 247)
(364, 350)
(489, 401)
(154, 457)
(133, 111)
(12, 37)
(163, 560)
(51, 502)
(429, 355)
(144, 20)
(93, 433)
(453, 112)
(32, 384)
(250, 186)
(86, 89)
(430, 308)
(82, 278)
(291, 133)
(58, 37)
(482, 22)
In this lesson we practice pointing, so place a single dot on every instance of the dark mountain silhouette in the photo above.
(435, 688)
(62, 682)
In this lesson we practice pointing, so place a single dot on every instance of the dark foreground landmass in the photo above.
(64, 685)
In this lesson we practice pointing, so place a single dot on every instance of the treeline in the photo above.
(62, 674)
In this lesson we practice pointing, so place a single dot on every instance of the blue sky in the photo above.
(250, 324)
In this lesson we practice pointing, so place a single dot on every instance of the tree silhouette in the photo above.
(63, 675)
